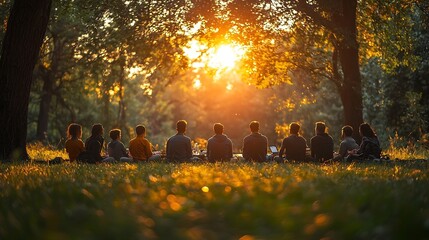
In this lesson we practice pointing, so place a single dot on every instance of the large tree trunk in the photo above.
(351, 89)
(48, 89)
(24, 35)
(344, 29)
(45, 105)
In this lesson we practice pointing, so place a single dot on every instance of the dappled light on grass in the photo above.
(38, 151)
(222, 200)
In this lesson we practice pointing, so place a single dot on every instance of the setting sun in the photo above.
(225, 56)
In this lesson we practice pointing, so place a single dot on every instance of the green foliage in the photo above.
(213, 201)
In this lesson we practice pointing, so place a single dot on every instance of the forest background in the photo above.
(123, 63)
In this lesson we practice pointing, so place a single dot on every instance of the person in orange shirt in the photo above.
(74, 144)
(140, 148)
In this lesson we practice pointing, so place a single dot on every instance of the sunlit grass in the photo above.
(402, 150)
(407, 153)
(213, 201)
(38, 151)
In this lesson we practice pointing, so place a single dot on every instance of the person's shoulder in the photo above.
(247, 137)
(228, 139)
(211, 138)
(146, 141)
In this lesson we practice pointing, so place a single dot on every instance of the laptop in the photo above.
(273, 149)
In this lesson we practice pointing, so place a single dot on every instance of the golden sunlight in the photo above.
(225, 56)
(222, 57)
(197, 84)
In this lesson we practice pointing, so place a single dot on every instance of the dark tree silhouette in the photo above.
(26, 28)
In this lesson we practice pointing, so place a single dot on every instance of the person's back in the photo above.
(321, 145)
(74, 145)
(140, 148)
(294, 147)
(116, 148)
(94, 144)
(255, 144)
(219, 146)
(370, 147)
(348, 143)
(179, 146)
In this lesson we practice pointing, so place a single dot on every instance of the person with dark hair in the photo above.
(74, 143)
(255, 144)
(179, 146)
(116, 148)
(321, 145)
(348, 144)
(293, 146)
(94, 145)
(141, 148)
(219, 146)
(369, 147)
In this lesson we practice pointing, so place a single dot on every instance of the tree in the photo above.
(24, 35)
(319, 37)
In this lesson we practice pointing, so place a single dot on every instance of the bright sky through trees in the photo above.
(222, 58)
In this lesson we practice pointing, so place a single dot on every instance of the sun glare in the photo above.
(222, 57)
(225, 56)
(197, 84)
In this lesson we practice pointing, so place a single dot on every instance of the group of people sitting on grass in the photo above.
(219, 146)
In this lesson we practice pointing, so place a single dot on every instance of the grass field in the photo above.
(214, 201)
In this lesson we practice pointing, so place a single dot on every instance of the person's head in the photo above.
(181, 126)
(254, 126)
(74, 130)
(347, 131)
(218, 128)
(97, 130)
(365, 130)
(115, 134)
(140, 130)
(320, 127)
(294, 128)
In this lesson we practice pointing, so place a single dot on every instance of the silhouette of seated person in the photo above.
(219, 146)
(179, 146)
(369, 148)
(294, 146)
(348, 143)
(93, 145)
(255, 144)
(321, 145)
(141, 148)
(116, 148)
